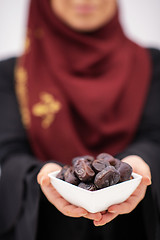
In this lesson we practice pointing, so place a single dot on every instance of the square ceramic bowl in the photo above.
(95, 201)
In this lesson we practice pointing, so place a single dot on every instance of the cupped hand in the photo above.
(139, 166)
(57, 200)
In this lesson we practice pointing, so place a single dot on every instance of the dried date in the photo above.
(83, 170)
(107, 177)
(70, 177)
(87, 186)
(92, 174)
(125, 171)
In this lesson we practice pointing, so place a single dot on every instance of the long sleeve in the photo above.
(146, 143)
(19, 192)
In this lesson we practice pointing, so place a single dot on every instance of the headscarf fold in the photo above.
(79, 93)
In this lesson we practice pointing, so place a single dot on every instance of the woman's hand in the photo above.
(139, 166)
(57, 200)
(99, 219)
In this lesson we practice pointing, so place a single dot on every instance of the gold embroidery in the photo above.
(46, 109)
(21, 90)
(27, 42)
(27, 45)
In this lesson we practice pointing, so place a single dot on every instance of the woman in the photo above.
(82, 88)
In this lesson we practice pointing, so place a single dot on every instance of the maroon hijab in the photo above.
(79, 93)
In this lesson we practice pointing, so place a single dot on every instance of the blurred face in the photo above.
(84, 15)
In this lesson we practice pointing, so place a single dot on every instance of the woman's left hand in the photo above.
(139, 166)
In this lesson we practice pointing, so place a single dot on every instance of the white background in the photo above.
(140, 20)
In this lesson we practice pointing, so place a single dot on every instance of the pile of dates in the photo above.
(93, 174)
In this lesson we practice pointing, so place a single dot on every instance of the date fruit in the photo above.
(87, 186)
(83, 170)
(125, 171)
(92, 173)
(69, 176)
(107, 177)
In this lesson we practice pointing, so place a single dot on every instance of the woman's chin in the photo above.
(84, 26)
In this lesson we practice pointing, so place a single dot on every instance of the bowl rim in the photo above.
(52, 176)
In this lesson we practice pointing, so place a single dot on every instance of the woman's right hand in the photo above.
(57, 200)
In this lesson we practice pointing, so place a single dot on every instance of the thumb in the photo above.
(146, 180)
(141, 167)
(42, 177)
(43, 180)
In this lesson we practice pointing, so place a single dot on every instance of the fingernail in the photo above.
(84, 214)
(112, 211)
(96, 224)
(42, 180)
(149, 180)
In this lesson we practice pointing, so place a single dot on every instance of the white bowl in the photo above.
(95, 201)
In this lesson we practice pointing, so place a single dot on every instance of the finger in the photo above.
(73, 211)
(43, 180)
(49, 167)
(130, 204)
(46, 169)
(146, 180)
(70, 210)
(106, 218)
(61, 204)
(141, 168)
(103, 212)
(39, 176)
(94, 216)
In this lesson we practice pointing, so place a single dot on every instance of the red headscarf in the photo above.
(80, 93)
